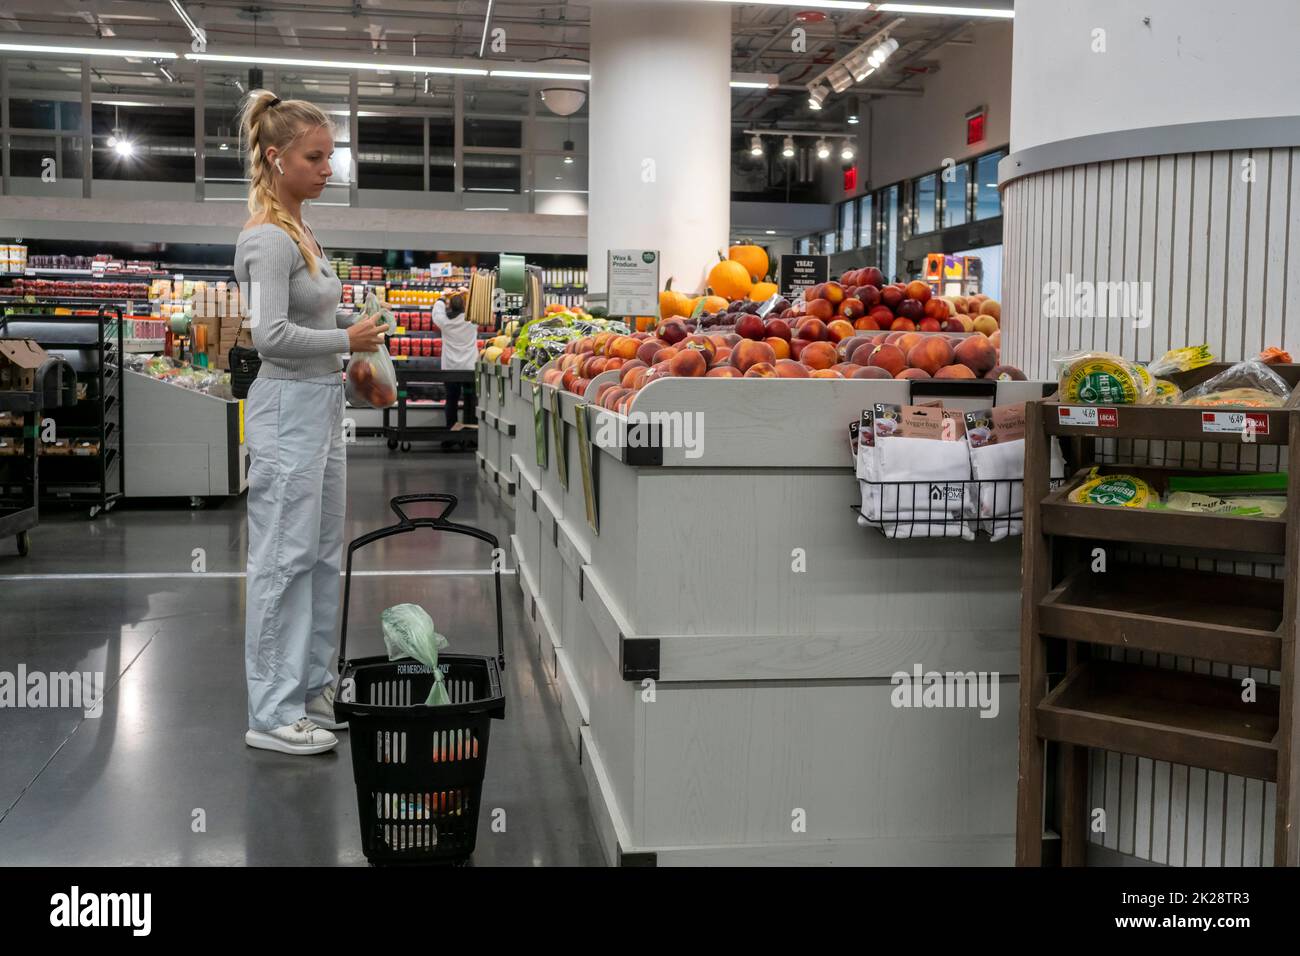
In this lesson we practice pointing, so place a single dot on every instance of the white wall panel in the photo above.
(1219, 252)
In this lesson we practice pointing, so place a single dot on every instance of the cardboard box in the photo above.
(19, 360)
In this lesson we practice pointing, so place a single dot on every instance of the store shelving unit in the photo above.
(419, 379)
(93, 346)
(20, 474)
(1073, 614)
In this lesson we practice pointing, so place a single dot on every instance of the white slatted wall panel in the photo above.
(1222, 254)
(1223, 257)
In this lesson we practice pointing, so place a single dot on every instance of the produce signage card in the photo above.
(995, 426)
(867, 428)
(800, 272)
(557, 427)
(633, 282)
(539, 426)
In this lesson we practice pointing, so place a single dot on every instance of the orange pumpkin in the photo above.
(708, 303)
(673, 303)
(762, 291)
(730, 279)
(753, 258)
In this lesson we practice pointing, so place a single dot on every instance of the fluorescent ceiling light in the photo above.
(946, 11)
(535, 75)
(575, 192)
(770, 232)
(86, 51)
(936, 10)
(334, 64)
(488, 189)
(486, 209)
(749, 85)
(754, 81)
(812, 5)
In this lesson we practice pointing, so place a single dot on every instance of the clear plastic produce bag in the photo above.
(408, 632)
(372, 380)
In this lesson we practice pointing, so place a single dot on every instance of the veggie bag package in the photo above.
(910, 468)
(372, 381)
(997, 459)
(408, 632)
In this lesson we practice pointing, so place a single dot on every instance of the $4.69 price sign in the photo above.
(1088, 416)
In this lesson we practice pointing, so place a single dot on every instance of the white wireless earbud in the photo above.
(279, 165)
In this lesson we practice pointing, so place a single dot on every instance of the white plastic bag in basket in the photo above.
(408, 632)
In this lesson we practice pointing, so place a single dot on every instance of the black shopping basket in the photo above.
(419, 770)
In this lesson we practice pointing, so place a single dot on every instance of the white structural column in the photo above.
(660, 135)
(1152, 200)
(1141, 154)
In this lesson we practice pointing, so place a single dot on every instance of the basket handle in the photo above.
(396, 503)
(405, 525)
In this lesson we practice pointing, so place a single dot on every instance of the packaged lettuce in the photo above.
(1125, 491)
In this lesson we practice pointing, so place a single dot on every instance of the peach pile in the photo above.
(862, 298)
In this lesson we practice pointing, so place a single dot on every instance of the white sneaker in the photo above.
(301, 737)
(320, 710)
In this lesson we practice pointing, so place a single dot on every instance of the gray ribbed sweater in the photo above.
(293, 314)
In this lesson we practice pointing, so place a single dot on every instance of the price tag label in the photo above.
(1235, 422)
(1088, 416)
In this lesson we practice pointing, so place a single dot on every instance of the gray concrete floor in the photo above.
(125, 788)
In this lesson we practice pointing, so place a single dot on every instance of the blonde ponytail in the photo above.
(267, 121)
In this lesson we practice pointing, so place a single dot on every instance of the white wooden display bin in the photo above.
(495, 436)
(728, 640)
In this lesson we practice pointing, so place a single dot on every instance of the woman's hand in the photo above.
(366, 335)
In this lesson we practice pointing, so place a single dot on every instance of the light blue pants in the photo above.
(297, 498)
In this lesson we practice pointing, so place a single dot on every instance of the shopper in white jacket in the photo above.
(297, 481)
(459, 353)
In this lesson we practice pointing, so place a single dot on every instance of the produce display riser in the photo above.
(772, 686)
(183, 443)
(1206, 808)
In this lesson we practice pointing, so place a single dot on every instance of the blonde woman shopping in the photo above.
(297, 490)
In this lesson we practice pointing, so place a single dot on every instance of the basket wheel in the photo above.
(24, 543)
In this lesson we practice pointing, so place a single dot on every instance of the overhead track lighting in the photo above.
(817, 96)
(196, 31)
(787, 148)
(823, 151)
(846, 151)
(756, 146)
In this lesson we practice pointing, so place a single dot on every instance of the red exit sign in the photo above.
(975, 127)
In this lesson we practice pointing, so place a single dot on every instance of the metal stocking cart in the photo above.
(419, 770)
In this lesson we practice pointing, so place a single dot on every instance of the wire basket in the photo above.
(943, 509)
(419, 770)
